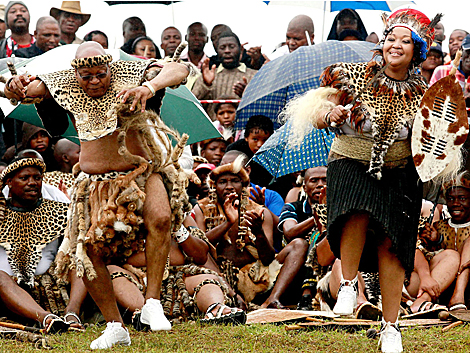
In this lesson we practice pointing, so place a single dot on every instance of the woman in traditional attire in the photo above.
(374, 193)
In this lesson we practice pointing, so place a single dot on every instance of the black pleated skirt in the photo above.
(393, 204)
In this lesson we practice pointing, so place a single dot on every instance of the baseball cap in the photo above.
(436, 47)
(466, 43)
(208, 166)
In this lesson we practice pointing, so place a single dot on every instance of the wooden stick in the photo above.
(452, 325)
(314, 319)
(22, 327)
(340, 319)
(293, 327)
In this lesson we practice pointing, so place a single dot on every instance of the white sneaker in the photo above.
(153, 315)
(114, 334)
(390, 338)
(347, 301)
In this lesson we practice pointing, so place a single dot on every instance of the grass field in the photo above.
(192, 337)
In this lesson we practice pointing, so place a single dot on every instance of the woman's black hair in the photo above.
(88, 37)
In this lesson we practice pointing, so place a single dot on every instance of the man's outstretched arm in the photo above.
(21, 86)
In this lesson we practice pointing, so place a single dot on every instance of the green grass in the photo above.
(192, 337)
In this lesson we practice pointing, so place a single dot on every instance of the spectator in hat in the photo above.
(47, 36)
(17, 20)
(434, 59)
(71, 18)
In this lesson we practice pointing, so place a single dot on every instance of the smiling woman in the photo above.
(370, 170)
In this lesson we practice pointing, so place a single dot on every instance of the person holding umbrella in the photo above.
(374, 193)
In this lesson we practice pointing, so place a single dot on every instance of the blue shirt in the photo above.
(272, 200)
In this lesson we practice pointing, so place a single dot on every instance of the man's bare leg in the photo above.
(157, 219)
(444, 267)
(458, 297)
(78, 293)
(18, 300)
(101, 289)
(292, 258)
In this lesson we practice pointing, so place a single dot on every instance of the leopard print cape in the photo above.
(23, 235)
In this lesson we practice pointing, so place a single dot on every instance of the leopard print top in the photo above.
(91, 114)
(389, 105)
(23, 235)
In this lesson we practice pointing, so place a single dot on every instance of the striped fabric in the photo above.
(283, 78)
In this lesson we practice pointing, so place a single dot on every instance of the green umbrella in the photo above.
(180, 109)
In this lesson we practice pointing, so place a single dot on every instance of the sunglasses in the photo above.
(99, 76)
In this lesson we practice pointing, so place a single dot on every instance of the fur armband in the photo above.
(304, 111)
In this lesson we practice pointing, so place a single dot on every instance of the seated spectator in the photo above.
(66, 154)
(297, 221)
(229, 78)
(445, 251)
(347, 19)
(171, 39)
(47, 36)
(97, 36)
(48, 192)
(205, 286)
(434, 59)
(213, 150)
(38, 139)
(70, 18)
(242, 233)
(262, 196)
(257, 131)
(199, 191)
(30, 231)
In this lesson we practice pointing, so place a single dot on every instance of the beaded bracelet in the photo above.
(150, 87)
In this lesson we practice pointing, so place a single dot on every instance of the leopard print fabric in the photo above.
(54, 178)
(23, 235)
(389, 104)
(92, 61)
(91, 114)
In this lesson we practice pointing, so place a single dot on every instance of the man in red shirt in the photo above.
(17, 20)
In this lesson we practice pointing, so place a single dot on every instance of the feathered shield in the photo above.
(440, 128)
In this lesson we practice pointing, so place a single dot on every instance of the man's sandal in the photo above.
(427, 310)
(74, 320)
(458, 307)
(235, 317)
(56, 325)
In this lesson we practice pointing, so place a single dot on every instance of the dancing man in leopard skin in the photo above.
(129, 193)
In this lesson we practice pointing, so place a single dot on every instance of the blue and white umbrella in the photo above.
(290, 75)
(279, 158)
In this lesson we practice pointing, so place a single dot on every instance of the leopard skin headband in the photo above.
(92, 61)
